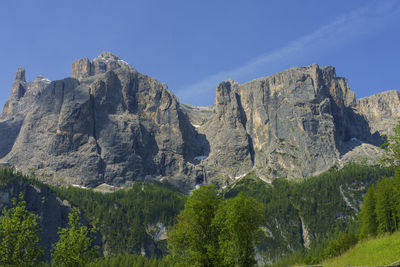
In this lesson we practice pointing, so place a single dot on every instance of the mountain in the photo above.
(108, 123)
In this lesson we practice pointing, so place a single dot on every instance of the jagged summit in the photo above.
(23, 94)
(110, 124)
(104, 62)
(20, 75)
(107, 56)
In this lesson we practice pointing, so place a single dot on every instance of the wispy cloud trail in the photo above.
(350, 26)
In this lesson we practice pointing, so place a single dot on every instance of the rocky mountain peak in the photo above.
(107, 56)
(19, 85)
(105, 61)
(111, 124)
(20, 75)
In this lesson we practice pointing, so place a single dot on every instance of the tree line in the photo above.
(208, 232)
(19, 239)
(380, 212)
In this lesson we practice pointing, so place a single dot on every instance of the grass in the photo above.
(381, 251)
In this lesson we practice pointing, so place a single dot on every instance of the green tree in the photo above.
(396, 192)
(19, 236)
(75, 245)
(391, 155)
(340, 245)
(238, 221)
(367, 216)
(386, 214)
(193, 240)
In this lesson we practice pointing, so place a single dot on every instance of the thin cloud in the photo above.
(350, 26)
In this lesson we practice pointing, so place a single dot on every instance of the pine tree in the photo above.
(19, 236)
(386, 214)
(367, 214)
(75, 245)
(396, 193)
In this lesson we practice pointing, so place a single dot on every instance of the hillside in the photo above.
(381, 251)
(304, 214)
(300, 214)
(133, 220)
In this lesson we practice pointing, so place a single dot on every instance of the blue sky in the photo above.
(193, 45)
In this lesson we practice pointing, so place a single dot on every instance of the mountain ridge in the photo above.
(108, 123)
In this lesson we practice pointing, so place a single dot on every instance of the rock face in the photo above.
(106, 61)
(292, 124)
(382, 111)
(23, 98)
(110, 124)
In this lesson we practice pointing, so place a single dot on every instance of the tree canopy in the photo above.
(75, 245)
(192, 240)
(367, 215)
(213, 232)
(19, 236)
(237, 221)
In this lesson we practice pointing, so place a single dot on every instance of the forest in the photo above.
(249, 222)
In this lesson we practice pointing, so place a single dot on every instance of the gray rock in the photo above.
(382, 111)
(111, 127)
(106, 61)
(22, 99)
(20, 75)
(292, 124)
(110, 124)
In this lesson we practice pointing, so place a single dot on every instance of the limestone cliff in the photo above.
(382, 111)
(292, 124)
(108, 123)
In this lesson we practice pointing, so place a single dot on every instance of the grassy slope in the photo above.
(380, 251)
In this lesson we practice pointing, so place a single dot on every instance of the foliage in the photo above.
(132, 260)
(386, 215)
(19, 236)
(9, 175)
(380, 211)
(319, 201)
(213, 232)
(339, 245)
(123, 217)
(75, 245)
(391, 155)
(381, 251)
(193, 240)
(237, 221)
(367, 215)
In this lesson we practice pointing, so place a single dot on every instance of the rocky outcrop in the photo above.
(23, 98)
(110, 124)
(382, 111)
(106, 61)
(292, 124)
